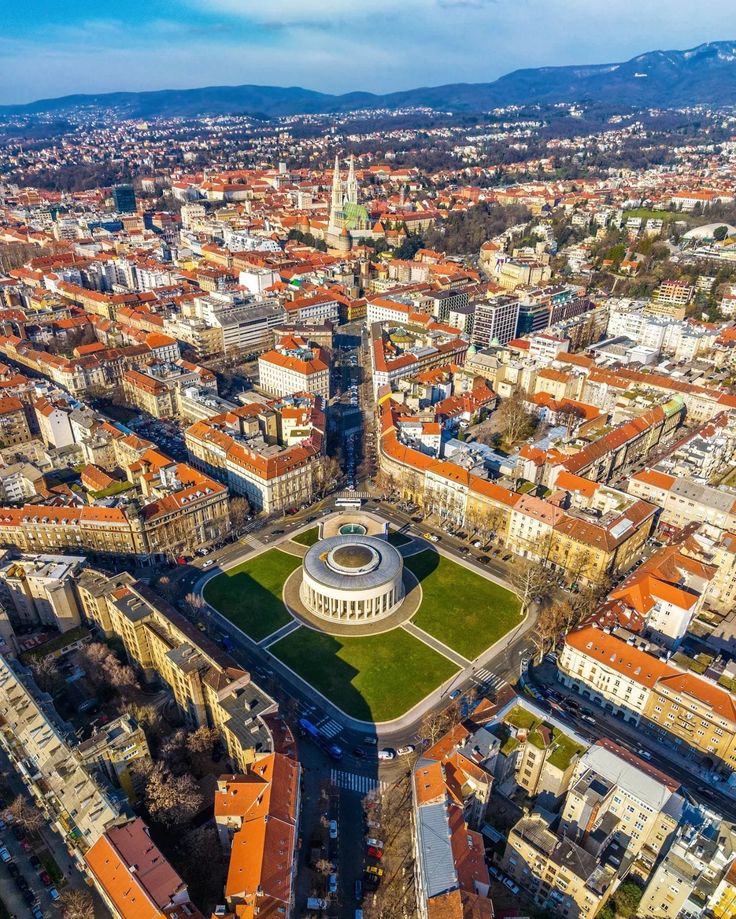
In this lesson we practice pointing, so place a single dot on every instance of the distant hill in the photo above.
(663, 79)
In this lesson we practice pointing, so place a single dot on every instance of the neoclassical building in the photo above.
(352, 578)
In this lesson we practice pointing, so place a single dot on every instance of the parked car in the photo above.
(455, 694)
(373, 852)
(405, 751)
(5, 855)
(333, 829)
(360, 753)
(35, 861)
(37, 912)
(376, 843)
(13, 869)
(45, 879)
(359, 890)
(332, 883)
(386, 754)
(54, 894)
(514, 888)
(375, 870)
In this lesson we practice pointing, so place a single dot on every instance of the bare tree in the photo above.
(46, 674)
(530, 580)
(553, 623)
(437, 723)
(514, 419)
(202, 740)
(239, 510)
(25, 814)
(323, 866)
(170, 799)
(77, 904)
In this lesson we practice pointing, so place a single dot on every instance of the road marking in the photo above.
(329, 728)
(353, 781)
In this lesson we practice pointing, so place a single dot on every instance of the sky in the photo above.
(50, 48)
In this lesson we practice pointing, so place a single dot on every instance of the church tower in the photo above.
(336, 204)
(351, 187)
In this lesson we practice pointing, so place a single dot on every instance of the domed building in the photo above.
(352, 578)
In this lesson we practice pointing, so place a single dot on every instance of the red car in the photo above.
(45, 879)
(25, 845)
(374, 852)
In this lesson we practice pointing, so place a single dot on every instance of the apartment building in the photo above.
(53, 419)
(43, 749)
(629, 677)
(158, 388)
(257, 816)
(208, 686)
(415, 346)
(14, 428)
(174, 509)
(295, 366)
(561, 876)
(451, 877)
(269, 452)
(684, 501)
(134, 878)
(41, 590)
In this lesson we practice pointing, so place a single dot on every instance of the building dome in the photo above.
(352, 578)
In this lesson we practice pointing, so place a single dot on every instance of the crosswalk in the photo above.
(329, 728)
(488, 679)
(353, 781)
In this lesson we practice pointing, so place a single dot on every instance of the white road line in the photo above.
(329, 727)
(353, 781)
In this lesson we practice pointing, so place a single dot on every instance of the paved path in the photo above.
(279, 634)
(437, 645)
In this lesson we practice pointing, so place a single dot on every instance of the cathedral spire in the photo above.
(351, 187)
(336, 190)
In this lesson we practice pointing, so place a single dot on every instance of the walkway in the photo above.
(437, 645)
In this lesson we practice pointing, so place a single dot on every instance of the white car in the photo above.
(386, 754)
(405, 751)
(208, 564)
(333, 829)
(374, 843)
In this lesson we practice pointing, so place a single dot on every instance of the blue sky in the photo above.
(54, 47)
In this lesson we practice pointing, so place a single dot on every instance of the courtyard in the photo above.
(373, 677)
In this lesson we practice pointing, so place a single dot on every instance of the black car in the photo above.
(18, 832)
(277, 532)
(360, 753)
(21, 883)
(13, 869)
(484, 558)
(35, 861)
(29, 896)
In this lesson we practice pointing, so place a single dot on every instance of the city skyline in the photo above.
(322, 45)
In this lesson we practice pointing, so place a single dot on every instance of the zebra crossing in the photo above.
(488, 679)
(329, 728)
(353, 781)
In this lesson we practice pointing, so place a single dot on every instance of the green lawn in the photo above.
(375, 678)
(398, 539)
(308, 537)
(649, 214)
(464, 610)
(250, 595)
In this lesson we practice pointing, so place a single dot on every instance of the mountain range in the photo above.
(662, 79)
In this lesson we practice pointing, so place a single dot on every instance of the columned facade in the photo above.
(352, 579)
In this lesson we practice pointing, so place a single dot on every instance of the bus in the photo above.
(330, 748)
(349, 504)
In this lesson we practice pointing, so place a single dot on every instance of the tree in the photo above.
(77, 904)
(326, 474)
(627, 899)
(170, 799)
(514, 419)
(554, 622)
(436, 724)
(323, 866)
(531, 579)
(202, 741)
(239, 512)
(570, 416)
(46, 674)
(25, 814)
(720, 233)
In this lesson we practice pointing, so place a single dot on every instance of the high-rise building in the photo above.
(495, 321)
(124, 197)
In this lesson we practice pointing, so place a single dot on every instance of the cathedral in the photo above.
(348, 219)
